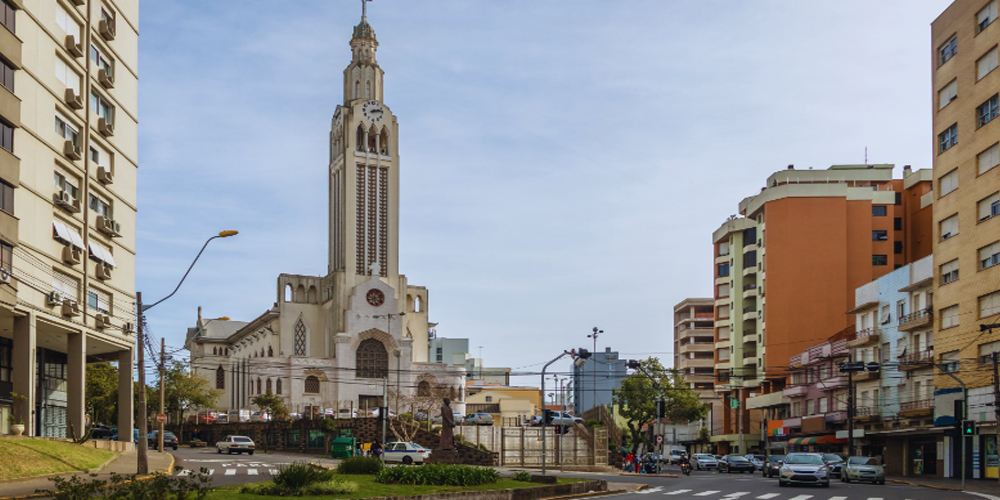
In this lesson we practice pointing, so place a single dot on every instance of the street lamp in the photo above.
(580, 357)
(142, 459)
(594, 388)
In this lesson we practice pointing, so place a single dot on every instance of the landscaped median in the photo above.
(35, 457)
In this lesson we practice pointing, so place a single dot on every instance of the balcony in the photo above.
(722, 322)
(867, 414)
(749, 270)
(723, 365)
(917, 360)
(864, 376)
(750, 293)
(685, 347)
(772, 400)
(919, 408)
(796, 392)
(917, 319)
(695, 333)
(749, 338)
(686, 363)
(750, 359)
(833, 383)
(750, 313)
(752, 247)
(864, 338)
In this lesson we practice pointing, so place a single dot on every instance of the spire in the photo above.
(364, 30)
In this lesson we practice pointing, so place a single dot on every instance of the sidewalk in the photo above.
(987, 486)
(123, 464)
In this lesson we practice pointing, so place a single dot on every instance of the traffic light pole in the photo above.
(996, 403)
(581, 356)
(965, 411)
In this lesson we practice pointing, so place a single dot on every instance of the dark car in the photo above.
(101, 431)
(169, 440)
(772, 466)
(835, 463)
(734, 463)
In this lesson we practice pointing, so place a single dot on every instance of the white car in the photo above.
(237, 444)
(406, 453)
(702, 461)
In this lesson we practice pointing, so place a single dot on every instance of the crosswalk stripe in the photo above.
(768, 496)
(838, 498)
(211, 471)
(184, 473)
(875, 498)
(649, 490)
(801, 497)
(230, 472)
(709, 492)
(678, 492)
(252, 472)
(737, 494)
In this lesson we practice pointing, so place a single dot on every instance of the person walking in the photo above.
(628, 461)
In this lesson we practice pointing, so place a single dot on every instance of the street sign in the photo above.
(161, 418)
(659, 439)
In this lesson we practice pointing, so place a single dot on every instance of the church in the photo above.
(336, 342)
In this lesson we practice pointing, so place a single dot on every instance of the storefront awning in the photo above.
(829, 438)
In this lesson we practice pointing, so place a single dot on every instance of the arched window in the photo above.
(300, 338)
(312, 384)
(312, 295)
(373, 140)
(368, 89)
(300, 294)
(270, 351)
(288, 293)
(383, 141)
(409, 303)
(372, 360)
(360, 134)
(277, 387)
(357, 88)
(215, 351)
(416, 304)
(220, 378)
(258, 385)
(268, 386)
(423, 389)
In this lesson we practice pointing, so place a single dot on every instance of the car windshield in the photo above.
(830, 457)
(737, 459)
(169, 435)
(863, 461)
(804, 460)
(776, 458)
(239, 439)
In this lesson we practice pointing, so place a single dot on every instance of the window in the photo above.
(897, 247)
(986, 16)
(723, 270)
(989, 305)
(880, 260)
(989, 158)
(823, 405)
(878, 210)
(949, 317)
(949, 227)
(268, 388)
(101, 61)
(880, 235)
(950, 361)
(259, 391)
(949, 272)
(102, 107)
(986, 64)
(277, 386)
(6, 256)
(8, 15)
(809, 407)
(723, 290)
(66, 130)
(723, 248)
(985, 352)
(101, 206)
(948, 138)
(489, 399)
(65, 286)
(299, 341)
(6, 197)
(6, 359)
(884, 316)
(948, 182)
(6, 136)
(372, 360)
(99, 301)
(900, 309)
(7, 75)
(424, 389)
(220, 378)
(989, 255)
(67, 75)
(70, 186)
(989, 207)
(948, 50)
(312, 384)
(988, 110)
(947, 94)
(897, 224)
(797, 409)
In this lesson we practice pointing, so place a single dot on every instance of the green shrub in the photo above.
(522, 476)
(331, 487)
(594, 423)
(294, 477)
(360, 465)
(438, 475)
(406, 417)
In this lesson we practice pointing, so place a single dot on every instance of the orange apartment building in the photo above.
(787, 268)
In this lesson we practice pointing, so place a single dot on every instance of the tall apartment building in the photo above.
(966, 84)
(694, 348)
(68, 164)
(802, 245)
(593, 382)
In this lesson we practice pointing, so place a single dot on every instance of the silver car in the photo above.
(863, 469)
(804, 468)
(703, 461)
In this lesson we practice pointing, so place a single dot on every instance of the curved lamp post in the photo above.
(143, 460)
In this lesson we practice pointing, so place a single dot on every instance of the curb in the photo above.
(646, 475)
(642, 487)
(931, 486)
(586, 495)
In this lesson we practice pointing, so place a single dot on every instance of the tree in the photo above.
(186, 391)
(273, 406)
(423, 404)
(638, 395)
(102, 393)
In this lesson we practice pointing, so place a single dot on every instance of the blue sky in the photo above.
(564, 163)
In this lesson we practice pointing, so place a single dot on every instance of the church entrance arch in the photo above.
(372, 359)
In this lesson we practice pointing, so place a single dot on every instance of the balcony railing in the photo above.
(917, 357)
(915, 319)
(864, 337)
(916, 405)
(868, 411)
(749, 309)
(751, 286)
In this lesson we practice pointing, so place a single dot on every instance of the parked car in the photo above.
(773, 466)
(135, 435)
(578, 420)
(756, 460)
(237, 444)
(479, 418)
(735, 463)
(863, 469)
(457, 416)
(406, 453)
(101, 431)
(702, 461)
(259, 417)
(835, 463)
(222, 418)
(804, 468)
(169, 440)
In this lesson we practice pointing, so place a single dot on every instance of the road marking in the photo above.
(184, 473)
(768, 496)
(678, 492)
(875, 498)
(211, 471)
(252, 472)
(230, 472)
(838, 498)
(707, 493)
(650, 490)
(801, 497)
(737, 494)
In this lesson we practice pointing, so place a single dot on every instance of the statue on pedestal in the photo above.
(447, 426)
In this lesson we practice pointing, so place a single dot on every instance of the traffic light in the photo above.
(661, 409)
(583, 353)
(633, 364)
(547, 416)
(969, 428)
(852, 366)
(873, 366)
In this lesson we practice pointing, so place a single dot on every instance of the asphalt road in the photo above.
(231, 469)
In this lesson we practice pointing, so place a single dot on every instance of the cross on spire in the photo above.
(364, 9)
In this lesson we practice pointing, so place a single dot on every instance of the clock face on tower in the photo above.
(375, 297)
(373, 111)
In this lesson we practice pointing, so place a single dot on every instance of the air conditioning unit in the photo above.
(70, 308)
(107, 29)
(105, 176)
(106, 78)
(4, 276)
(72, 47)
(53, 299)
(103, 271)
(72, 151)
(102, 321)
(105, 127)
(64, 200)
(128, 328)
(73, 99)
(108, 226)
(72, 255)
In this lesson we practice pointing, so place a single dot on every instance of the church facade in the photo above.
(336, 341)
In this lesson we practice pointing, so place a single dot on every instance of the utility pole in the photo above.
(996, 404)
(739, 412)
(384, 411)
(143, 464)
(163, 360)
(850, 412)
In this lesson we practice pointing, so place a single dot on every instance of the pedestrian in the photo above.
(628, 461)
(377, 449)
